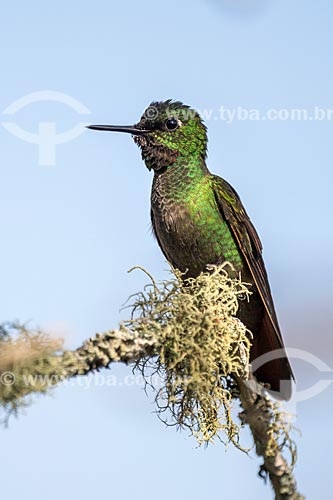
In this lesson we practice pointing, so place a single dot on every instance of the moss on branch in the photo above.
(187, 333)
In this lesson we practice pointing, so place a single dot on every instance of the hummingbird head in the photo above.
(167, 130)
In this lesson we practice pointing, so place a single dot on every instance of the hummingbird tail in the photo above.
(273, 368)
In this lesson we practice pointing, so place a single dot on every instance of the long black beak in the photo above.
(130, 129)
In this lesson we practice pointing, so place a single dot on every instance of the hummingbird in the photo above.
(199, 221)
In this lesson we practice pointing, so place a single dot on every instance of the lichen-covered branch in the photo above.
(187, 333)
(270, 433)
(103, 349)
(31, 362)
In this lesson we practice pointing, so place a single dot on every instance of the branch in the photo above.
(187, 333)
(266, 423)
(111, 347)
(31, 362)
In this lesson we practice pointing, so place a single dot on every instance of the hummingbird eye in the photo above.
(172, 124)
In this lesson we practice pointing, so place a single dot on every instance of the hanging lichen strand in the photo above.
(201, 345)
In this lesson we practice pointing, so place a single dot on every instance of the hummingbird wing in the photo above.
(269, 337)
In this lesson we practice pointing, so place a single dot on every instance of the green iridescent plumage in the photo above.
(199, 220)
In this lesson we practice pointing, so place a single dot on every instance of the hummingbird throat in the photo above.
(156, 156)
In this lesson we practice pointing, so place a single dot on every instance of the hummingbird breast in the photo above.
(189, 226)
(193, 233)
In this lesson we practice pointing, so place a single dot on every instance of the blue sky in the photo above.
(71, 231)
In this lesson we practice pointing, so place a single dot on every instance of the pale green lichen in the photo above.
(186, 331)
(201, 346)
(279, 432)
(28, 358)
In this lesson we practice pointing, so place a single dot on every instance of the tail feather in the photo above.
(271, 367)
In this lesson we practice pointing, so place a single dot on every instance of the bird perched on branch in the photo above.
(199, 220)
